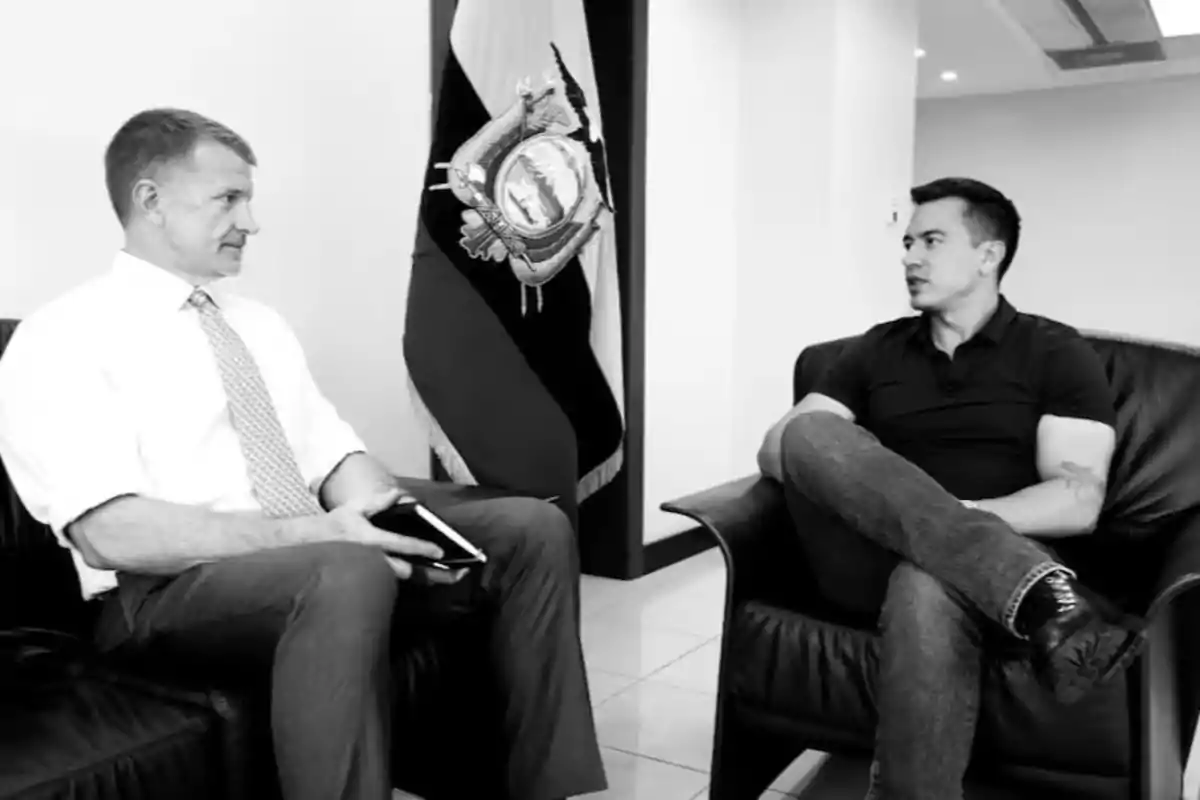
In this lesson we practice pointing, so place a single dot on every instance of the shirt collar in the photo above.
(992, 330)
(149, 286)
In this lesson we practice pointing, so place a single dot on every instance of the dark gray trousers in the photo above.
(317, 623)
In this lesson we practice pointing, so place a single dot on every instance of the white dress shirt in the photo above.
(113, 389)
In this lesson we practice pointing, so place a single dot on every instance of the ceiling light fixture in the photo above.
(1177, 17)
(920, 53)
(949, 76)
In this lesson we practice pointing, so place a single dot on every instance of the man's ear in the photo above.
(147, 200)
(992, 253)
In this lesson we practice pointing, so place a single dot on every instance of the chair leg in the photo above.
(746, 759)
(1163, 749)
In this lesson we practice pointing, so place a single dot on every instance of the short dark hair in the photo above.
(988, 215)
(155, 137)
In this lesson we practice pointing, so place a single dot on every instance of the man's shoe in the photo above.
(1084, 642)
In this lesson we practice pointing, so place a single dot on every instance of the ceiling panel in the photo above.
(1123, 20)
(999, 46)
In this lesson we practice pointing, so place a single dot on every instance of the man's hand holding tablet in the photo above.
(408, 517)
(418, 544)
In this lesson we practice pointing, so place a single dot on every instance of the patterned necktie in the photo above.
(270, 461)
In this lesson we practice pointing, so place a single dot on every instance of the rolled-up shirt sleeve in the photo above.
(322, 439)
(67, 441)
(329, 439)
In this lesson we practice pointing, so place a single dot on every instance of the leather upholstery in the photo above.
(795, 674)
(109, 738)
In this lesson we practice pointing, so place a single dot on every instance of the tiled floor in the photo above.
(651, 648)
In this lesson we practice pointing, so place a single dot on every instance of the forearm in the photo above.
(1051, 509)
(137, 534)
(357, 478)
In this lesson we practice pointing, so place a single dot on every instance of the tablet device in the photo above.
(410, 518)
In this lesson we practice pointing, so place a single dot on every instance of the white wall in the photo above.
(779, 133)
(691, 245)
(333, 98)
(1107, 180)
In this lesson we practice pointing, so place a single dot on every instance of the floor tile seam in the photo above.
(658, 759)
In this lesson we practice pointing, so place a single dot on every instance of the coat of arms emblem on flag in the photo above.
(528, 180)
(513, 332)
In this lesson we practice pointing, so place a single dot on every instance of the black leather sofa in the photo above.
(796, 675)
(77, 725)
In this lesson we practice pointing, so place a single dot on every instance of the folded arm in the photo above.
(1073, 456)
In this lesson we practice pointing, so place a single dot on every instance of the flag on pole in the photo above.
(513, 330)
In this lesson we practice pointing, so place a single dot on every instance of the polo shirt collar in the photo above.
(992, 330)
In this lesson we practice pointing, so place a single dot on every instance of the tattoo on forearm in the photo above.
(1084, 482)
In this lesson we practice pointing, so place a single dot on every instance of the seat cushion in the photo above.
(799, 666)
(91, 737)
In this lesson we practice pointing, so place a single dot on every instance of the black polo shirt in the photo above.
(971, 421)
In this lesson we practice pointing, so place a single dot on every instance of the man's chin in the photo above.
(230, 262)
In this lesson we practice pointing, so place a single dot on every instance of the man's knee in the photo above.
(802, 429)
(349, 579)
(807, 437)
(536, 533)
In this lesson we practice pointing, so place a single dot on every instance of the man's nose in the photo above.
(246, 221)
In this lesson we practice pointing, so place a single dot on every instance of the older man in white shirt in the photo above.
(171, 435)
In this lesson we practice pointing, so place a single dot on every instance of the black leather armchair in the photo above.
(797, 675)
(76, 724)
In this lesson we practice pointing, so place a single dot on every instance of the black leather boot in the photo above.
(1079, 639)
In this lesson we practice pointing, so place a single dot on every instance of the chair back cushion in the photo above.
(38, 583)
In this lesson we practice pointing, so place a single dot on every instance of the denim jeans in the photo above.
(955, 576)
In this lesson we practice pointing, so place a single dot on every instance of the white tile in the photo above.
(660, 721)
(693, 608)
(631, 777)
(769, 794)
(708, 567)
(633, 650)
(596, 593)
(603, 685)
(800, 773)
(697, 670)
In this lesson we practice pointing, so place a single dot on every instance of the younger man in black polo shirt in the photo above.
(943, 441)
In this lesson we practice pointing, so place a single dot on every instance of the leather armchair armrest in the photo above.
(1170, 665)
(1180, 566)
(749, 519)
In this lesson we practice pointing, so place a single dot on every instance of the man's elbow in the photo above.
(1088, 516)
(93, 535)
(96, 557)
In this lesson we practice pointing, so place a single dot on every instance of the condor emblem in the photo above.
(529, 179)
